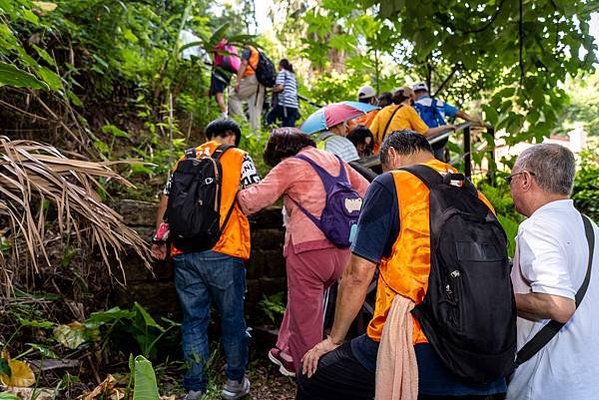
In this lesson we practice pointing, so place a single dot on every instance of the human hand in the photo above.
(310, 359)
(159, 251)
(450, 127)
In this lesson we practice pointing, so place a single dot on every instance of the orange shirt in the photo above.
(365, 120)
(235, 239)
(252, 62)
(406, 271)
(405, 118)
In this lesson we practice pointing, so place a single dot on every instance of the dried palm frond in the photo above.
(34, 174)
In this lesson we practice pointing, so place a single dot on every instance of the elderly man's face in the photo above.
(520, 185)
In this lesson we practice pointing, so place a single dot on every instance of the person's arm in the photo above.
(159, 250)
(267, 192)
(161, 210)
(432, 132)
(350, 298)
(453, 112)
(279, 83)
(537, 306)
(245, 56)
(544, 265)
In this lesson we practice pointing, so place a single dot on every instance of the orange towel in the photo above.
(396, 367)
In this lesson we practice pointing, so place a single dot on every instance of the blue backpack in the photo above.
(430, 114)
(339, 217)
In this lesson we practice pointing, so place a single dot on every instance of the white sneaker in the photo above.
(193, 395)
(236, 390)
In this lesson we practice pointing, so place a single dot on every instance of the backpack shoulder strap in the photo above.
(327, 179)
(391, 119)
(220, 150)
(190, 153)
(547, 333)
(429, 176)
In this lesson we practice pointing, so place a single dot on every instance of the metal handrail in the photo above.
(374, 161)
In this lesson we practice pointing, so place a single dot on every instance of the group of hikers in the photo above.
(453, 317)
(407, 108)
(254, 74)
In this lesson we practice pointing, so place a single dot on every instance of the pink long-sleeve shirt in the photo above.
(295, 179)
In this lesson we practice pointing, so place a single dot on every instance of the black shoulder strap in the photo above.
(391, 119)
(192, 152)
(553, 327)
(217, 155)
(429, 176)
(220, 150)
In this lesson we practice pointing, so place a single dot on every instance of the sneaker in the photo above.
(236, 389)
(193, 395)
(285, 366)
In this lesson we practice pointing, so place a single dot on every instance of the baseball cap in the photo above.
(419, 86)
(366, 92)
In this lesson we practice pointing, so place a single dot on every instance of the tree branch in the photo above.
(488, 24)
(451, 74)
(520, 43)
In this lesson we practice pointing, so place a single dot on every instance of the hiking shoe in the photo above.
(193, 395)
(285, 366)
(236, 389)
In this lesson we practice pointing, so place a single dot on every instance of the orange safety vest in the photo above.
(235, 239)
(406, 271)
(252, 62)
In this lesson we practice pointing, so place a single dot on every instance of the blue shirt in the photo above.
(379, 218)
(445, 109)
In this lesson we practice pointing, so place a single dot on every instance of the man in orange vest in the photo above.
(248, 89)
(217, 275)
(337, 370)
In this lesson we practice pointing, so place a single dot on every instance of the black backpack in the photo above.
(193, 211)
(266, 72)
(468, 313)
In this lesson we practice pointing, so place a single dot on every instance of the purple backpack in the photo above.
(339, 217)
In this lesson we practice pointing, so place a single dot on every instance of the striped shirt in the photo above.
(288, 97)
(338, 145)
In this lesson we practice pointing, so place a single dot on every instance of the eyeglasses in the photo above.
(510, 178)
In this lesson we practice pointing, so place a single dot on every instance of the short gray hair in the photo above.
(553, 166)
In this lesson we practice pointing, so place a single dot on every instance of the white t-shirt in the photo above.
(552, 257)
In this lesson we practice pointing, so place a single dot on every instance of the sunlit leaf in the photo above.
(50, 77)
(70, 336)
(12, 76)
(21, 375)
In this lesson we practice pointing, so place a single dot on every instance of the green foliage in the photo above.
(583, 108)
(465, 50)
(586, 188)
(273, 306)
(112, 326)
(146, 387)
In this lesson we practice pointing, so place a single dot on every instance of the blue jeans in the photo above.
(202, 278)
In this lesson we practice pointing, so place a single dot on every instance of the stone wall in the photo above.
(156, 291)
